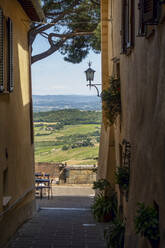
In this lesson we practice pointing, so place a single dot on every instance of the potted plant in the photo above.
(104, 207)
(147, 224)
(114, 234)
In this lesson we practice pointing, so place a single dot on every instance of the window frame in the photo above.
(127, 26)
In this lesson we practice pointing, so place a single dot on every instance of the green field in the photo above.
(74, 144)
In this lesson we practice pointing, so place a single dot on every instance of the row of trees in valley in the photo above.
(68, 117)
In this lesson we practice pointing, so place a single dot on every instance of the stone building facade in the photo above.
(133, 41)
(16, 133)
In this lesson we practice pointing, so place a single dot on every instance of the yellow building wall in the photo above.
(16, 148)
(142, 75)
(107, 160)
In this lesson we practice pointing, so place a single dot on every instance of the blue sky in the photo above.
(54, 76)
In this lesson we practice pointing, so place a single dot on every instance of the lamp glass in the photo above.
(89, 74)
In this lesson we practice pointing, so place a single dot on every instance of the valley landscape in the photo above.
(67, 135)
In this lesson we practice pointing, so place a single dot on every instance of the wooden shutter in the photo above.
(148, 11)
(1, 51)
(10, 81)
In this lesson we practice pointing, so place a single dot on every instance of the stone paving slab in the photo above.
(56, 228)
(66, 202)
(77, 196)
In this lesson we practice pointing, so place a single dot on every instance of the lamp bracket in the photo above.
(94, 85)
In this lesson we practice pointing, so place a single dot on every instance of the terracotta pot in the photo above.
(154, 243)
(107, 218)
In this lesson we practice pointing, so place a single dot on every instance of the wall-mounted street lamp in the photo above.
(90, 77)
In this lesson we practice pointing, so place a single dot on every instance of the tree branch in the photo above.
(96, 2)
(50, 51)
(54, 47)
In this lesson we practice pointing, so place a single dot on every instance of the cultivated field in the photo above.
(77, 144)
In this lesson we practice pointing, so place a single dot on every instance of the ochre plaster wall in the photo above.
(16, 149)
(107, 146)
(142, 75)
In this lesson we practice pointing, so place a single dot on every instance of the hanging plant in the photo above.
(122, 178)
(111, 98)
(147, 223)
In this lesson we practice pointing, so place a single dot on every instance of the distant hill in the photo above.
(68, 117)
(57, 102)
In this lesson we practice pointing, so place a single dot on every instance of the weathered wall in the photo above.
(80, 174)
(142, 77)
(16, 150)
(107, 145)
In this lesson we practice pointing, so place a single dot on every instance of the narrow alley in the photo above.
(64, 221)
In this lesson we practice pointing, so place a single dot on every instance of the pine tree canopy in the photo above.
(71, 27)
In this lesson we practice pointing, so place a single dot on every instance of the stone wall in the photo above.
(80, 174)
(48, 168)
(73, 174)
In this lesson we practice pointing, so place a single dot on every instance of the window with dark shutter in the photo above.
(148, 11)
(10, 81)
(149, 14)
(1, 51)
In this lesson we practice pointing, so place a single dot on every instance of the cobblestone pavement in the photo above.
(62, 225)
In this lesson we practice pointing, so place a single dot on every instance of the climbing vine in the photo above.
(111, 98)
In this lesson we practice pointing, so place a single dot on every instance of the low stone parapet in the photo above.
(71, 174)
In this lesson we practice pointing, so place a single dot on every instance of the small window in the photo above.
(142, 26)
(127, 25)
(6, 54)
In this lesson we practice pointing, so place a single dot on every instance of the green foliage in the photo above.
(111, 98)
(101, 184)
(75, 21)
(65, 148)
(114, 234)
(147, 222)
(104, 207)
(59, 126)
(69, 117)
(83, 143)
(122, 178)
